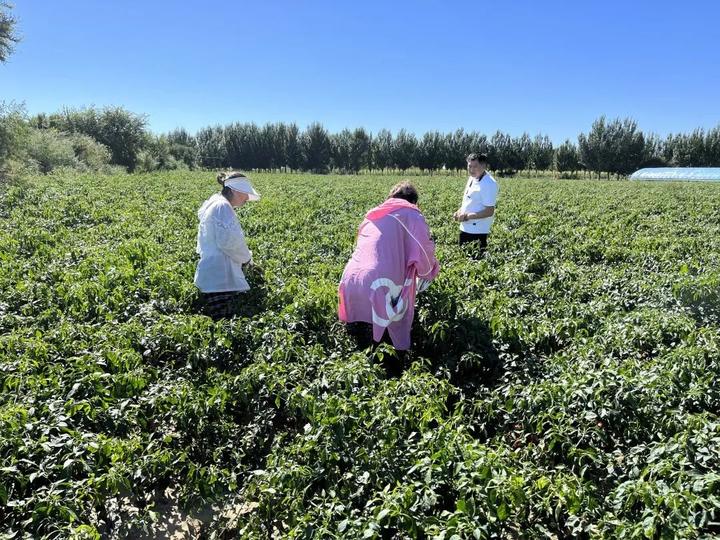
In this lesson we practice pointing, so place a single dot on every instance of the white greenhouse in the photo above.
(673, 174)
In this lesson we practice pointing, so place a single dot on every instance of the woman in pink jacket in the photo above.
(394, 256)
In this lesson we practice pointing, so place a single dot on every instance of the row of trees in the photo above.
(275, 146)
(611, 146)
(620, 147)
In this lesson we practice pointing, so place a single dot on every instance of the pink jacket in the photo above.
(378, 284)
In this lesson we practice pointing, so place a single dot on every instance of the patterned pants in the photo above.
(220, 305)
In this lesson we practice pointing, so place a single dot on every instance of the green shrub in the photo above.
(90, 153)
(51, 149)
(14, 131)
(159, 156)
(121, 131)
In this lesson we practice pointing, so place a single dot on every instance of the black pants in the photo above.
(480, 239)
(362, 333)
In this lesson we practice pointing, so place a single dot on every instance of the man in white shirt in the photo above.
(477, 209)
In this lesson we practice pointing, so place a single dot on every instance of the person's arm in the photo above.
(488, 199)
(231, 238)
(484, 213)
(423, 249)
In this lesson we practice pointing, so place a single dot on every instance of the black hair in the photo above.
(480, 158)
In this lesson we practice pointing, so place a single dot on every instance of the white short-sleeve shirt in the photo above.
(478, 194)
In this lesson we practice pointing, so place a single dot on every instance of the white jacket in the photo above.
(222, 248)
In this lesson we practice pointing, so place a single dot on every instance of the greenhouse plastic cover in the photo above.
(704, 174)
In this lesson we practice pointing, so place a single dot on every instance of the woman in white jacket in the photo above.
(221, 245)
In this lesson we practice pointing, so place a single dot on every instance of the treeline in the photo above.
(114, 137)
(616, 146)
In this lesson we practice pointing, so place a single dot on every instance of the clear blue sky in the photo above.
(542, 67)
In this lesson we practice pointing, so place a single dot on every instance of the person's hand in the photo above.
(421, 285)
(250, 262)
